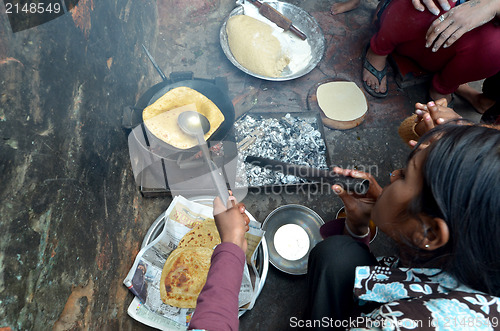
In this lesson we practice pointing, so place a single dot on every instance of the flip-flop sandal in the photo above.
(379, 74)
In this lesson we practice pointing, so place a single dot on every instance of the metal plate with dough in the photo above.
(308, 221)
(303, 21)
(262, 257)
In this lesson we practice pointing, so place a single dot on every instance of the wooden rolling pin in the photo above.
(276, 17)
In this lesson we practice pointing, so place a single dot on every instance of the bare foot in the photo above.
(342, 7)
(477, 99)
(379, 62)
(435, 95)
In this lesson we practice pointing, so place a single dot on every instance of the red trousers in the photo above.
(474, 56)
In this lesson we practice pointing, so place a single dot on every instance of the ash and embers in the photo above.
(288, 139)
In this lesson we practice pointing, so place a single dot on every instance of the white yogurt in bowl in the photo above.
(291, 242)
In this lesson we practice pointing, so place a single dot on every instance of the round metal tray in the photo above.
(262, 258)
(303, 21)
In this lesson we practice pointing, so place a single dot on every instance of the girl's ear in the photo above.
(433, 234)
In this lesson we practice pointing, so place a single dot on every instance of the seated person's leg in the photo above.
(491, 91)
(478, 100)
(342, 7)
(491, 87)
(473, 57)
(401, 25)
(330, 276)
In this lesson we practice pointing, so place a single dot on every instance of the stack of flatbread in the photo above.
(161, 117)
(185, 271)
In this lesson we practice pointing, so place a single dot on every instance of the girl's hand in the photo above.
(421, 108)
(232, 223)
(358, 208)
(432, 114)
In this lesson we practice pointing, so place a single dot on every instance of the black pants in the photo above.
(491, 89)
(330, 278)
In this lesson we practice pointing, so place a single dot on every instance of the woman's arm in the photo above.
(217, 304)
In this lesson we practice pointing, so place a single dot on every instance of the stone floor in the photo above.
(72, 218)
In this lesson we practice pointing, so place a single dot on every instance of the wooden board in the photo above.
(312, 104)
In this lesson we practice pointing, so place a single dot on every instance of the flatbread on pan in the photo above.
(204, 234)
(161, 117)
(184, 275)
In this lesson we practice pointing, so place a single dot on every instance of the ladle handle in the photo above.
(162, 75)
(215, 173)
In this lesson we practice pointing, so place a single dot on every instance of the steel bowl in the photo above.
(303, 21)
(302, 216)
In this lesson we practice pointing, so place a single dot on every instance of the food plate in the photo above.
(262, 257)
(303, 21)
(308, 221)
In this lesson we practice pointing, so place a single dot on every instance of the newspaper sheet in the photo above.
(143, 278)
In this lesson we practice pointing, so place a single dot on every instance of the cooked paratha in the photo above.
(184, 275)
(161, 117)
(204, 234)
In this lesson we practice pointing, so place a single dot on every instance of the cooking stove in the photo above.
(160, 169)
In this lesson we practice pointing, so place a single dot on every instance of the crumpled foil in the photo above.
(288, 139)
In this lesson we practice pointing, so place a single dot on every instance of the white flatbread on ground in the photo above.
(341, 101)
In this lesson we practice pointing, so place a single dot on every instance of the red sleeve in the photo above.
(217, 305)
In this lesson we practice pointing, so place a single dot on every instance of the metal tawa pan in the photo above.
(212, 92)
(303, 21)
(262, 253)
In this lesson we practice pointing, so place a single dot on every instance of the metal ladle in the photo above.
(196, 124)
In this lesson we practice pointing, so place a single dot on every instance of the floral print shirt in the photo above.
(420, 299)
